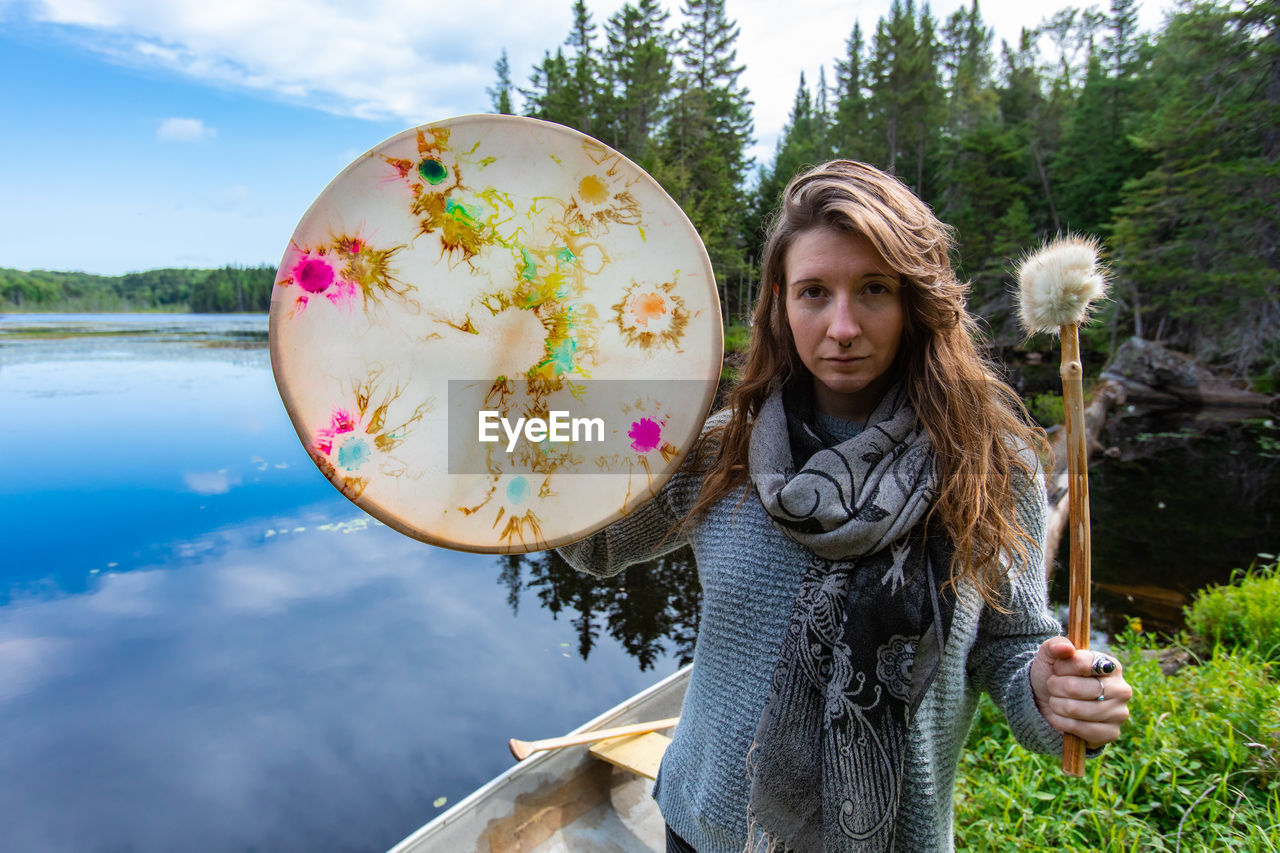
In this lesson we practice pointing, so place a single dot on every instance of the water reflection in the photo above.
(1184, 497)
(203, 646)
(650, 608)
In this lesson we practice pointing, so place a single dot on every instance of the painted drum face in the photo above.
(496, 334)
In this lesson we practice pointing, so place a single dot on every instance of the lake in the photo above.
(203, 646)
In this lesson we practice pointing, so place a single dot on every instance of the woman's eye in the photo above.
(876, 288)
(811, 292)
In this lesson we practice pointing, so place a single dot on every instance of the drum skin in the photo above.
(466, 295)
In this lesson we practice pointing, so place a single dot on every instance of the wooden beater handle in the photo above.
(1078, 496)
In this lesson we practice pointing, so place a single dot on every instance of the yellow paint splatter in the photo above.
(593, 190)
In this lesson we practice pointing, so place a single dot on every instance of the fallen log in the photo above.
(1156, 375)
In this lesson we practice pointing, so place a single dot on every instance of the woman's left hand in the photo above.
(1074, 700)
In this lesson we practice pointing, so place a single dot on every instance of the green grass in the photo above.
(1243, 614)
(1197, 767)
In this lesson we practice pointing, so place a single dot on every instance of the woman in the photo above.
(867, 518)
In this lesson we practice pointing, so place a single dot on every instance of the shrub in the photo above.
(1244, 614)
(1047, 409)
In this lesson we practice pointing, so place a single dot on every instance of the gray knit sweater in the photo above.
(750, 573)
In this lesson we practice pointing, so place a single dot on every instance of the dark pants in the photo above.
(676, 844)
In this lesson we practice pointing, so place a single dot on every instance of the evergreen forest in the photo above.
(230, 288)
(1162, 144)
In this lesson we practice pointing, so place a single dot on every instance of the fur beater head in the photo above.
(1057, 283)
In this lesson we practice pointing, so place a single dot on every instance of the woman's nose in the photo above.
(843, 326)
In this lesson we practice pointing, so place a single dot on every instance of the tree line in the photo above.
(1163, 144)
(230, 288)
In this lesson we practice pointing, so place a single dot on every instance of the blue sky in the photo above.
(150, 133)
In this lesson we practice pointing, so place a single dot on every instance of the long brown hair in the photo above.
(978, 425)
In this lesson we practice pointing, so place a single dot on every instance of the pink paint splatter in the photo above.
(341, 422)
(343, 291)
(645, 435)
(313, 274)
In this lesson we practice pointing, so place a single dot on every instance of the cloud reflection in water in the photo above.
(312, 690)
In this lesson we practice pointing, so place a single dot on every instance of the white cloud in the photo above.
(416, 62)
(210, 482)
(26, 662)
(397, 59)
(184, 130)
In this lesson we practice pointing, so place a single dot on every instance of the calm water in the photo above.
(203, 646)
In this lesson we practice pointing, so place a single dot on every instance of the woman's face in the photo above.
(844, 305)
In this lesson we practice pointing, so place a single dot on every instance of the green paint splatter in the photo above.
(530, 271)
(432, 171)
(562, 356)
(565, 256)
(467, 214)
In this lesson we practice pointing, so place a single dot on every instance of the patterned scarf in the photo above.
(867, 626)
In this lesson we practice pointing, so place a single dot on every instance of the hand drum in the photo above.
(496, 334)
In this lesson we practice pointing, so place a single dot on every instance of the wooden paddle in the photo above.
(522, 749)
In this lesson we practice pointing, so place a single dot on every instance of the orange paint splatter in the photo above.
(646, 307)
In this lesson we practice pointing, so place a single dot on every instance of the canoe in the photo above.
(562, 800)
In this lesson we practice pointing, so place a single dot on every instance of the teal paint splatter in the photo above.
(518, 490)
(464, 213)
(562, 355)
(354, 453)
(530, 271)
(432, 171)
(565, 256)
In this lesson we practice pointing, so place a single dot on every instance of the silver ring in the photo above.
(1104, 664)
(1102, 691)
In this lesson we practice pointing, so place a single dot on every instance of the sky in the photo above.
(137, 134)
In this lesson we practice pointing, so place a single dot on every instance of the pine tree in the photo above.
(584, 70)
(906, 98)
(1194, 246)
(549, 95)
(1097, 154)
(639, 59)
(800, 145)
(965, 54)
(821, 118)
(703, 161)
(981, 182)
(500, 95)
(1035, 121)
(849, 120)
